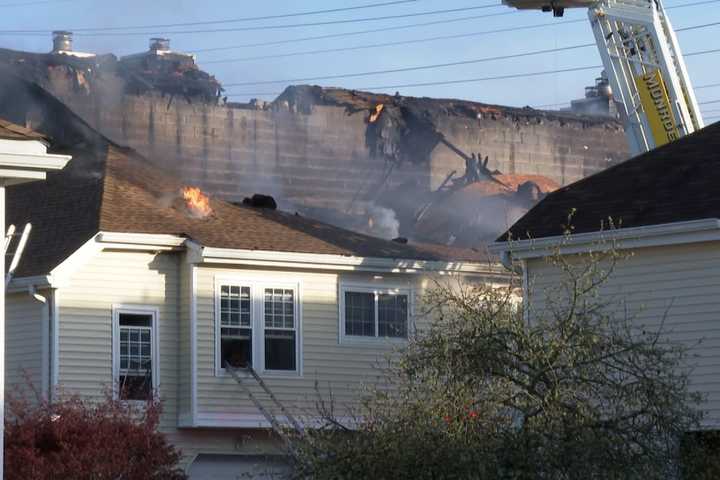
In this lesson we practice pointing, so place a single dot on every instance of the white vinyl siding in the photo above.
(86, 326)
(27, 342)
(344, 368)
(680, 282)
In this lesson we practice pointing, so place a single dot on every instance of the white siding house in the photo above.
(665, 207)
(127, 289)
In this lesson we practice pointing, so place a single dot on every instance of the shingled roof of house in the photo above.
(113, 189)
(10, 131)
(674, 183)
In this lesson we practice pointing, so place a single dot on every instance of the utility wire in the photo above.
(391, 44)
(452, 64)
(27, 4)
(709, 85)
(500, 77)
(273, 27)
(420, 40)
(709, 102)
(401, 27)
(413, 69)
(359, 32)
(249, 19)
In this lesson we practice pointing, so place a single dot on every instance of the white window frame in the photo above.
(376, 290)
(257, 323)
(154, 313)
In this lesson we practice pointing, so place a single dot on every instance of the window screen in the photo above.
(235, 326)
(280, 329)
(136, 348)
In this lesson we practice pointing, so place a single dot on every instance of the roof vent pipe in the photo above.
(159, 44)
(62, 41)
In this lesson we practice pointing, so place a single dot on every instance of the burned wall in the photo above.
(322, 159)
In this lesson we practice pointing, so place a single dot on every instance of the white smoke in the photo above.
(384, 222)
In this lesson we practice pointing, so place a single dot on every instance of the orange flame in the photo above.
(376, 114)
(197, 202)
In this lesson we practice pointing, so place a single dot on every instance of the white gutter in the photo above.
(270, 258)
(339, 262)
(676, 233)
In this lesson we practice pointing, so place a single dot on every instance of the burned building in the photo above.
(360, 160)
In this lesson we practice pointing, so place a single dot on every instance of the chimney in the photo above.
(159, 45)
(62, 41)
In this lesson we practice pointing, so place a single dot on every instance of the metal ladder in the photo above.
(17, 255)
(272, 419)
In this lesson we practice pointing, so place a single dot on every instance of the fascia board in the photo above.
(338, 262)
(21, 284)
(33, 162)
(676, 233)
(141, 239)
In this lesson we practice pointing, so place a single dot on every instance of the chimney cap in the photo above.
(159, 44)
(62, 40)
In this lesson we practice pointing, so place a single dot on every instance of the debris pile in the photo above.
(170, 73)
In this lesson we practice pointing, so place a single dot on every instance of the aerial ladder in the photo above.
(644, 65)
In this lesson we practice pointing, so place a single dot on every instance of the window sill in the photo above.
(222, 373)
(358, 341)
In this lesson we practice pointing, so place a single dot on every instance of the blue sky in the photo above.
(541, 90)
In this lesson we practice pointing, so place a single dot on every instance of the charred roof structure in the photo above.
(158, 70)
(674, 183)
(109, 188)
(431, 170)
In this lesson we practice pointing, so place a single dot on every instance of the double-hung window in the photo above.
(374, 313)
(135, 355)
(258, 326)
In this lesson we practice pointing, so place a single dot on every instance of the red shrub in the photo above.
(82, 440)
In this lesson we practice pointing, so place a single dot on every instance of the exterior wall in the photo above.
(85, 318)
(679, 283)
(27, 343)
(322, 159)
(165, 281)
(342, 367)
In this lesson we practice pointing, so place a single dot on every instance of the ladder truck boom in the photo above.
(644, 65)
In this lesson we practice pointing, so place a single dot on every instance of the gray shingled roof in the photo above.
(674, 183)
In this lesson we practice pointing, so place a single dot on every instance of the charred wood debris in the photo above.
(169, 74)
(404, 129)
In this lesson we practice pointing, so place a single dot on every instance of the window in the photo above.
(235, 326)
(135, 353)
(367, 312)
(258, 326)
(279, 329)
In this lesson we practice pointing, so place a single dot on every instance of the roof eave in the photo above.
(675, 233)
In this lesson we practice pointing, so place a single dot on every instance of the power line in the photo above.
(501, 77)
(390, 44)
(401, 27)
(27, 4)
(251, 19)
(274, 27)
(450, 64)
(412, 69)
(358, 32)
(709, 85)
(709, 102)
(421, 40)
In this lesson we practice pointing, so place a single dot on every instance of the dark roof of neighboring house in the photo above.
(113, 189)
(10, 131)
(676, 182)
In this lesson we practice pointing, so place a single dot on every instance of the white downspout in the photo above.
(507, 262)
